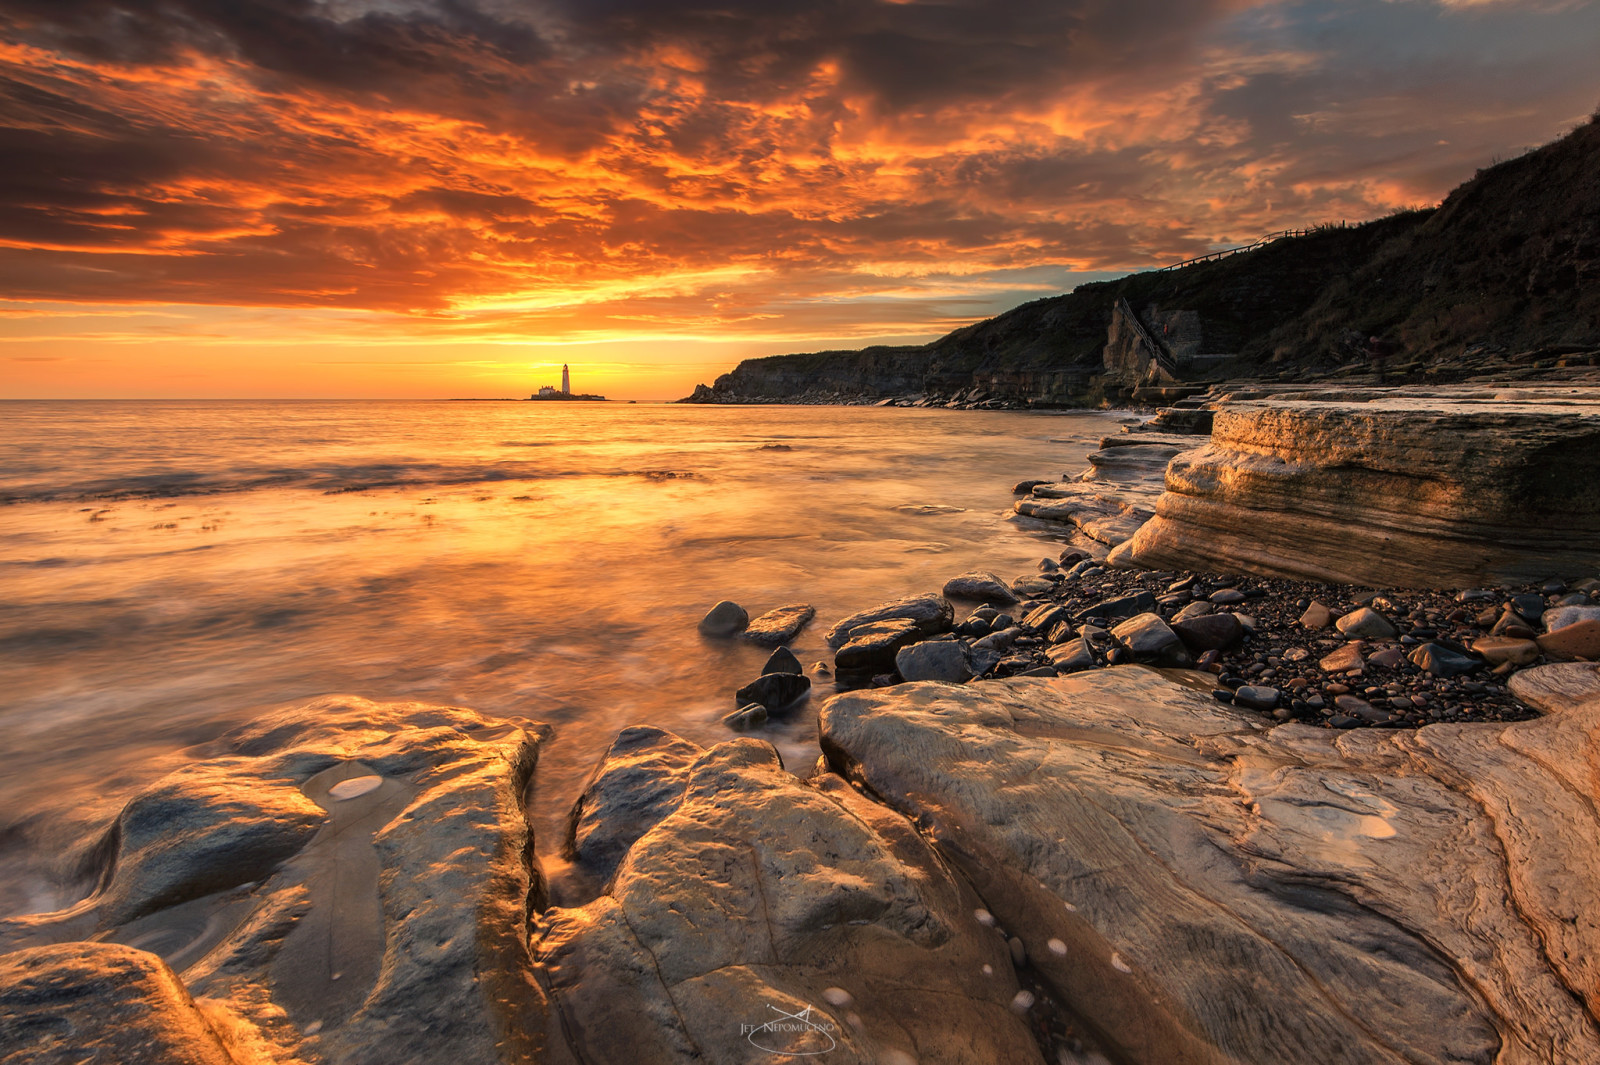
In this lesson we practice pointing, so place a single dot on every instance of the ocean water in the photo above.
(168, 570)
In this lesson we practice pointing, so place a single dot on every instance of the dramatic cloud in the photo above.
(789, 170)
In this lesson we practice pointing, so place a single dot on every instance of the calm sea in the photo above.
(170, 569)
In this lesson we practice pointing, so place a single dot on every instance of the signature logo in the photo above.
(800, 1034)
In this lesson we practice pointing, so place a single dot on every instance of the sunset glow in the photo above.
(375, 198)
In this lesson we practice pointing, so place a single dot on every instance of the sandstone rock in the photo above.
(1104, 513)
(1022, 488)
(779, 626)
(762, 893)
(1209, 632)
(930, 613)
(1365, 623)
(1046, 617)
(724, 619)
(636, 783)
(1344, 659)
(1441, 661)
(1498, 650)
(774, 690)
(1368, 492)
(1232, 893)
(79, 1003)
(1149, 639)
(782, 660)
(1561, 617)
(979, 584)
(1580, 640)
(944, 660)
(393, 933)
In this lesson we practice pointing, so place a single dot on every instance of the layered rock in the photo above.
(349, 877)
(1202, 888)
(1432, 492)
(765, 915)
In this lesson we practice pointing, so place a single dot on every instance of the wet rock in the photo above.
(1529, 606)
(779, 626)
(979, 584)
(942, 660)
(760, 893)
(79, 1003)
(1028, 585)
(636, 783)
(1365, 624)
(872, 647)
(393, 932)
(1187, 857)
(748, 717)
(774, 690)
(1149, 639)
(724, 619)
(1045, 617)
(930, 614)
(1257, 697)
(1579, 640)
(1210, 632)
(1441, 661)
(782, 660)
(1022, 488)
(1499, 650)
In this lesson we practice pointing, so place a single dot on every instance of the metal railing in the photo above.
(1263, 242)
(1163, 357)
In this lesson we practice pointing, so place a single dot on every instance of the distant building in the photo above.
(566, 381)
(545, 392)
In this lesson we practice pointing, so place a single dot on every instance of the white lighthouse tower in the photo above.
(566, 381)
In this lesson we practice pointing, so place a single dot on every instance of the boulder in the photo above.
(771, 916)
(944, 660)
(1197, 609)
(782, 660)
(931, 614)
(1108, 514)
(390, 932)
(1028, 585)
(1149, 639)
(1500, 650)
(752, 715)
(724, 619)
(1072, 656)
(1561, 617)
(773, 690)
(779, 626)
(979, 584)
(78, 1003)
(1257, 697)
(1441, 490)
(1209, 632)
(872, 647)
(1232, 892)
(1126, 606)
(636, 783)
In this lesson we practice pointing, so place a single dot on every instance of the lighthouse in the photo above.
(566, 381)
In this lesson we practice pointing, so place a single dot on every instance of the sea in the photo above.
(169, 570)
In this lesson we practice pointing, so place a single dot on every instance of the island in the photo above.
(549, 392)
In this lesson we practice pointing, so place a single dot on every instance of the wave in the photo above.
(327, 479)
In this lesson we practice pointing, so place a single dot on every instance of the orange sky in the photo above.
(442, 198)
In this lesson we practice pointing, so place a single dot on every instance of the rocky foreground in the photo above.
(1110, 865)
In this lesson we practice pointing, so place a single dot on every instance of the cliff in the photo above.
(1501, 275)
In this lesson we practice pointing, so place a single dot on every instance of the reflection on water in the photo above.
(170, 569)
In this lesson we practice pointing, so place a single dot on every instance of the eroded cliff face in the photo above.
(1498, 487)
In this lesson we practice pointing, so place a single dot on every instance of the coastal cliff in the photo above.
(1503, 276)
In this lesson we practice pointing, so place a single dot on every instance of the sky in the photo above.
(441, 198)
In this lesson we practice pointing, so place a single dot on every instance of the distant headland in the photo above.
(549, 392)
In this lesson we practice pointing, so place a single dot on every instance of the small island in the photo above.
(548, 392)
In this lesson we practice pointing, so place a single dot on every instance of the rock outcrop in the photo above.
(765, 915)
(1495, 487)
(351, 878)
(1203, 889)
